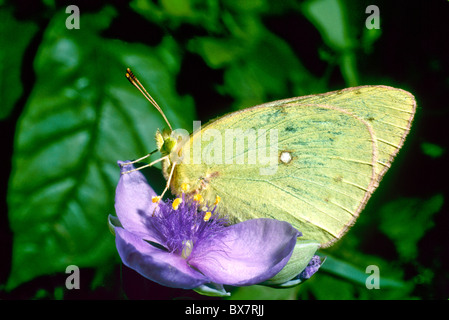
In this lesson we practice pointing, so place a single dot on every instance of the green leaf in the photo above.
(405, 221)
(432, 150)
(261, 74)
(330, 19)
(180, 8)
(217, 52)
(328, 16)
(257, 292)
(20, 34)
(175, 13)
(82, 116)
(352, 273)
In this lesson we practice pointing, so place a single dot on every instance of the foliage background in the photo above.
(68, 114)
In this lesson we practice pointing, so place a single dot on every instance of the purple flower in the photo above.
(186, 244)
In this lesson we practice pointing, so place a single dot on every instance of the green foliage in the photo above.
(74, 115)
(406, 221)
(432, 150)
(81, 117)
(11, 58)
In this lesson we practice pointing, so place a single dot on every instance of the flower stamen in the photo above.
(187, 247)
(176, 203)
(207, 216)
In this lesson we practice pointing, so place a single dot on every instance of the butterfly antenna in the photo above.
(135, 82)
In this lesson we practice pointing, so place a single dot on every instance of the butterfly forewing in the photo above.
(388, 110)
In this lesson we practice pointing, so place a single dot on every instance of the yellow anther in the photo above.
(155, 199)
(198, 197)
(207, 216)
(176, 203)
(217, 200)
(184, 187)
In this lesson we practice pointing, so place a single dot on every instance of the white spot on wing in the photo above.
(285, 157)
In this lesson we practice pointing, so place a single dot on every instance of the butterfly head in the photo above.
(165, 142)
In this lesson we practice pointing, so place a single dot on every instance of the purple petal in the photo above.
(155, 264)
(250, 252)
(133, 203)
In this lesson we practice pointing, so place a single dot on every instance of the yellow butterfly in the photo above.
(312, 161)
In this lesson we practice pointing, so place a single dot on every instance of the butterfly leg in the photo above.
(169, 179)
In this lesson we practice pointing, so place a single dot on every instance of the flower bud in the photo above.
(303, 254)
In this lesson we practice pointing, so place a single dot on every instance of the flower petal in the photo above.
(155, 264)
(133, 203)
(249, 252)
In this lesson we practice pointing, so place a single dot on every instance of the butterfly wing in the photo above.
(326, 166)
(389, 111)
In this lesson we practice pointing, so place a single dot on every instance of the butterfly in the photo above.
(313, 161)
